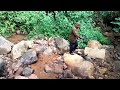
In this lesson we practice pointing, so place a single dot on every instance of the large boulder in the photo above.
(29, 57)
(94, 44)
(72, 60)
(5, 45)
(62, 44)
(20, 48)
(95, 52)
(78, 65)
(85, 69)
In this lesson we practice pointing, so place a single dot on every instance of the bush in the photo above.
(38, 24)
(117, 23)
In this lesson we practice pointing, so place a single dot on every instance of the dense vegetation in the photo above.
(54, 24)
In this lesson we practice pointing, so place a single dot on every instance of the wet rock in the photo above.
(27, 71)
(5, 45)
(33, 76)
(94, 44)
(21, 77)
(95, 52)
(29, 57)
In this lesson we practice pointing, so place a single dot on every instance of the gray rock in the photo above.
(27, 71)
(62, 44)
(20, 48)
(5, 45)
(29, 57)
(117, 65)
(1, 64)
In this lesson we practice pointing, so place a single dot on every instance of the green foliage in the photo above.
(117, 23)
(38, 24)
(87, 29)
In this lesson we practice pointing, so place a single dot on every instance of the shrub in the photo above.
(38, 24)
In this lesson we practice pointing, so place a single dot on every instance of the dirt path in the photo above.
(16, 38)
(39, 66)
